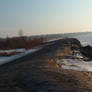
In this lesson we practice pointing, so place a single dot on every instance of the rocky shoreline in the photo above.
(40, 72)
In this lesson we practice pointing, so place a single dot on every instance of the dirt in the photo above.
(39, 72)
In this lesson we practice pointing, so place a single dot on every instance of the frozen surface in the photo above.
(74, 64)
(13, 50)
(6, 59)
(85, 39)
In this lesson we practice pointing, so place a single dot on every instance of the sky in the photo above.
(35, 17)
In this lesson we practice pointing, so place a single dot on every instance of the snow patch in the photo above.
(6, 59)
(74, 64)
(13, 50)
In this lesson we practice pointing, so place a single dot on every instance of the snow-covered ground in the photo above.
(75, 64)
(6, 59)
(13, 50)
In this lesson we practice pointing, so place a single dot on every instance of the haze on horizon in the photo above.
(44, 16)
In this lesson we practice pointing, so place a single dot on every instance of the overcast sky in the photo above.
(44, 16)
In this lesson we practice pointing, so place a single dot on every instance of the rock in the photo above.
(86, 51)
